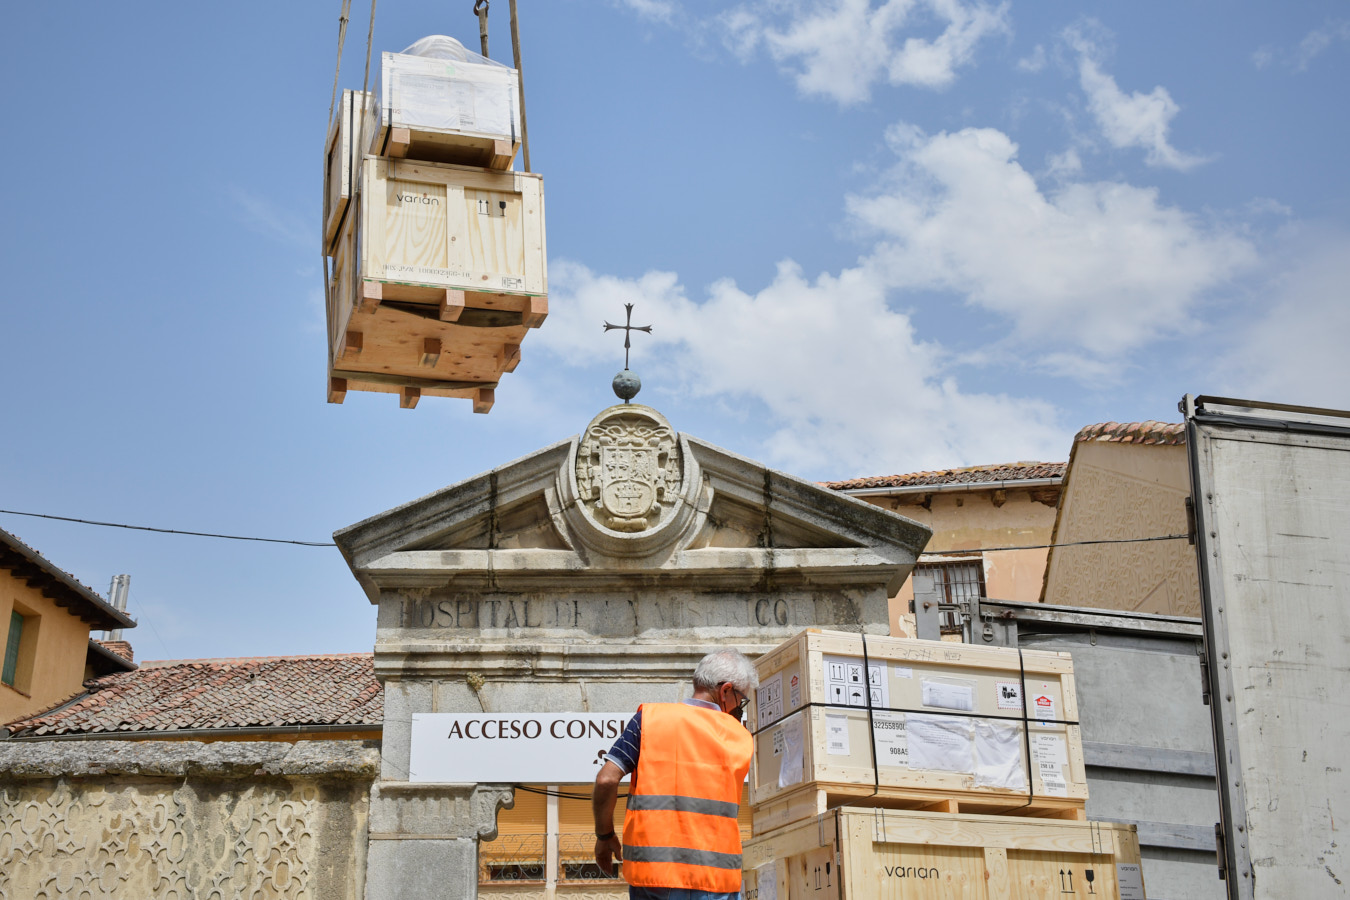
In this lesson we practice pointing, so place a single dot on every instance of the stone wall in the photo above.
(183, 819)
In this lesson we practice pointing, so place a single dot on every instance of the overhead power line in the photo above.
(1142, 540)
(227, 537)
(240, 537)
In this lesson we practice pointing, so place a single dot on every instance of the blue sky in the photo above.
(873, 237)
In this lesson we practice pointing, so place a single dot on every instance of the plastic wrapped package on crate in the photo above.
(440, 102)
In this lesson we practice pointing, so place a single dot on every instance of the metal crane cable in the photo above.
(332, 104)
(520, 79)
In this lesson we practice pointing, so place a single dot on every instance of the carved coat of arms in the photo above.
(626, 463)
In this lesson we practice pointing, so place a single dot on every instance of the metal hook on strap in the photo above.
(480, 9)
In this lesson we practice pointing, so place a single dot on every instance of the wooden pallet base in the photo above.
(815, 800)
(456, 148)
(415, 341)
(340, 382)
(450, 305)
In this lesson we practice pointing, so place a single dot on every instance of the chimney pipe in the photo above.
(117, 596)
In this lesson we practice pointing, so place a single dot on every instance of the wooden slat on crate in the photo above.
(342, 160)
(453, 227)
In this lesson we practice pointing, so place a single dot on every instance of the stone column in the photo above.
(424, 838)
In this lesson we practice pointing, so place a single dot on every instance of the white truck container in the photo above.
(1270, 486)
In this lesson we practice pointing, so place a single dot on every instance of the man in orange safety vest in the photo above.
(688, 761)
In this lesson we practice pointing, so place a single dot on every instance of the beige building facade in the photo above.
(45, 620)
(1125, 482)
(976, 513)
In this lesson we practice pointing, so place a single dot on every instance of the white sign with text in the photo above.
(503, 748)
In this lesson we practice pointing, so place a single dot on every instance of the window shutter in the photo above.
(12, 648)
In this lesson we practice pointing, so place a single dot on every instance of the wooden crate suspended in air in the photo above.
(438, 276)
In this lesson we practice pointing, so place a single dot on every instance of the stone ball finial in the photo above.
(626, 385)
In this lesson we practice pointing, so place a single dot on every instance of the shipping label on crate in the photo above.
(791, 765)
(948, 694)
(998, 755)
(769, 700)
(944, 743)
(1051, 755)
(888, 730)
(846, 685)
(794, 691)
(1130, 881)
(836, 735)
(1043, 707)
(1009, 694)
(766, 881)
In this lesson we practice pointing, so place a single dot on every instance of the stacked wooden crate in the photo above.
(881, 754)
(438, 259)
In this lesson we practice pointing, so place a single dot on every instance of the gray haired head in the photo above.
(726, 667)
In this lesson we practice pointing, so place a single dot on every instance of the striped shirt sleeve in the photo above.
(624, 753)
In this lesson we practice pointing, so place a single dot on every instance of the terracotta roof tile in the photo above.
(333, 689)
(1018, 471)
(1134, 433)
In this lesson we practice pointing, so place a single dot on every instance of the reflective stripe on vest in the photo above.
(680, 828)
(676, 803)
(684, 855)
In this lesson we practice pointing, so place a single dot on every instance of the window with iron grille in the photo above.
(955, 582)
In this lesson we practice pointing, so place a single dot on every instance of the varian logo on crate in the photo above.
(553, 748)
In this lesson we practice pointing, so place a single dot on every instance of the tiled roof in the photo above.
(58, 584)
(991, 475)
(1135, 433)
(334, 689)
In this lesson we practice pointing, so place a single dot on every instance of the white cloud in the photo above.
(841, 48)
(843, 378)
(1128, 120)
(1033, 62)
(655, 10)
(1313, 45)
(1064, 165)
(279, 224)
(1079, 279)
(1293, 351)
(1318, 40)
(1092, 268)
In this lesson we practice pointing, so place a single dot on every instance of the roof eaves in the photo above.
(117, 659)
(111, 615)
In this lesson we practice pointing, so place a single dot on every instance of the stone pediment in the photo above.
(631, 502)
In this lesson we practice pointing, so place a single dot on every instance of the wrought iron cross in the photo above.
(627, 330)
